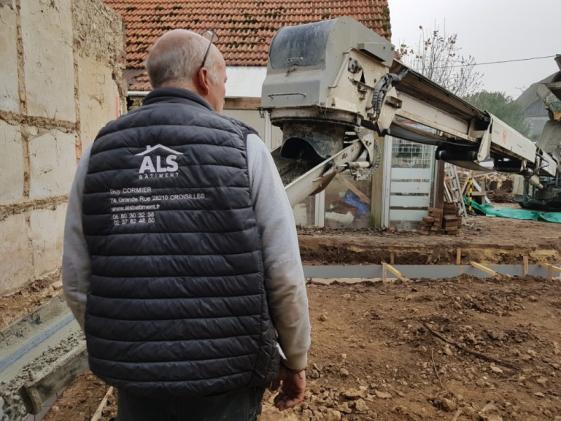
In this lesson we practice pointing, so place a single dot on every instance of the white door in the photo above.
(411, 181)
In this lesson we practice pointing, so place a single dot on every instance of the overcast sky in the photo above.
(489, 30)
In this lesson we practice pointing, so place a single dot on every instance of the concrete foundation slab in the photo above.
(418, 271)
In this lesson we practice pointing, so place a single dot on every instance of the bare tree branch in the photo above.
(438, 57)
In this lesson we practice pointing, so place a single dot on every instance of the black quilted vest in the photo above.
(177, 304)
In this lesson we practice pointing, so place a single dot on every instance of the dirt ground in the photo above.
(80, 400)
(376, 352)
(481, 239)
(463, 349)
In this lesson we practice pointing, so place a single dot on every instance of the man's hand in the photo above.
(292, 388)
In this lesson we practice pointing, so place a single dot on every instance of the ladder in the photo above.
(453, 189)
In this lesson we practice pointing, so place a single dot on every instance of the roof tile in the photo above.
(245, 27)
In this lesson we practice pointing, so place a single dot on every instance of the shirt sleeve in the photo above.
(284, 275)
(76, 265)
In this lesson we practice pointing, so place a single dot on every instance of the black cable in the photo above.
(497, 62)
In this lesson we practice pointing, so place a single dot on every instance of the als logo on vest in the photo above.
(158, 161)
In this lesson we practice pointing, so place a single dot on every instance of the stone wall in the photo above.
(61, 64)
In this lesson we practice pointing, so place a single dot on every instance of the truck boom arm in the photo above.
(329, 79)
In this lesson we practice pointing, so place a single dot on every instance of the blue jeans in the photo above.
(238, 405)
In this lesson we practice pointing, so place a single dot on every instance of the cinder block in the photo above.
(53, 163)
(16, 252)
(9, 97)
(11, 163)
(47, 229)
(48, 58)
(99, 98)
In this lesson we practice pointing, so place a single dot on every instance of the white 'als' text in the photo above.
(156, 165)
(148, 165)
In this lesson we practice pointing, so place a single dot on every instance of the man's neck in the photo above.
(182, 85)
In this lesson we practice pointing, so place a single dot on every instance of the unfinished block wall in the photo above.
(61, 64)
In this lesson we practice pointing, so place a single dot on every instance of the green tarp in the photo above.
(513, 213)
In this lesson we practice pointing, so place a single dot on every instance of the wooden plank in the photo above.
(241, 103)
(349, 184)
(417, 174)
(483, 268)
(378, 199)
(438, 199)
(54, 378)
(551, 269)
(550, 266)
(394, 271)
(409, 187)
(410, 201)
(400, 215)
(99, 411)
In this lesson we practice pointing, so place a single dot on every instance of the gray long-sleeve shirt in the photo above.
(284, 276)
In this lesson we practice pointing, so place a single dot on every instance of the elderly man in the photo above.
(181, 258)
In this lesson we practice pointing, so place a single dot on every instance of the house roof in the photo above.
(244, 27)
(530, 96)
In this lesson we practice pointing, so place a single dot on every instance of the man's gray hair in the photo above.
(177, 56)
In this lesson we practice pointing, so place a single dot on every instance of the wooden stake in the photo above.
(458, 256)
(483, 268)
(394, 271)
(392, 258)
(551, 269)
(525, 264)
(99, 411)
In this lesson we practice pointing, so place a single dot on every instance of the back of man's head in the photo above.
(176, 57)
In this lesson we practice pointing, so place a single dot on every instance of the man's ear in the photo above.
(203, 80)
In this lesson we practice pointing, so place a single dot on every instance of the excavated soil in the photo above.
(463, 349)
(80, 400)
(481, 239)
(23, 302)
(373, 357)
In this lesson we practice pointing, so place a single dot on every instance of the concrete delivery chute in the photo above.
(333, 86)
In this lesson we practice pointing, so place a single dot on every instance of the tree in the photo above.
(438, 57)
(502, 106)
